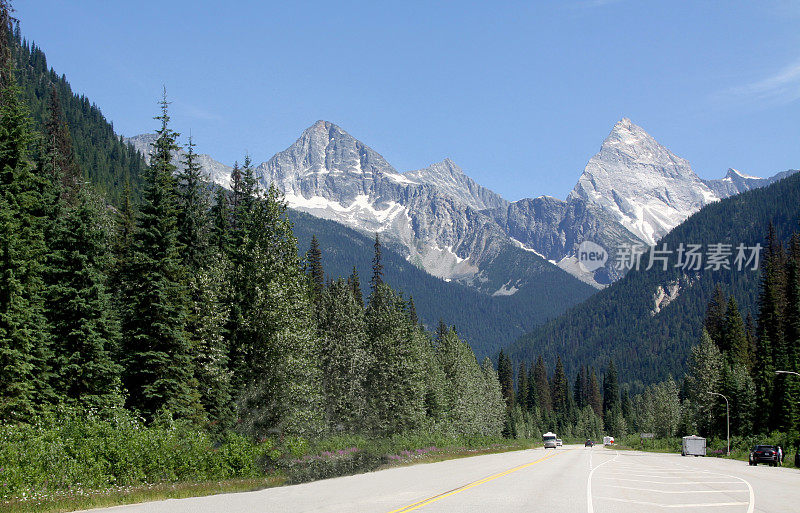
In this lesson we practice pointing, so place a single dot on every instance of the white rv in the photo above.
(549, 440)
(608, 440)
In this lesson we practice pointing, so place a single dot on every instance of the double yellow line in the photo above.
(429, 500)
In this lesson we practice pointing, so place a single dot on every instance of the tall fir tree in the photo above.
(542, 384)
(559, 389)
(377, 265)
(24, 351)
(192, 208)
(522, 387)
(344, 358)
(595, 398)
(715, 315)
(505, 373)
(610, 388)
(157, 355)
(315, 271)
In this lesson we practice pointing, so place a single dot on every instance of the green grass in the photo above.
(72, 461)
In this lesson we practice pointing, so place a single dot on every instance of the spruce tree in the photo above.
(315, 271)
(734, 336)
(495, 411)
(595, 399)
(395, 383)
(157, 355)
(84, 332)
(522, 387)
(715, 315)
(559, 389)
(610, 388)
(355, 285)
(192, 205)
(344, 358)
(277, 378)
(542, 385)
(24, 351)
(377, 265)
(505, 373)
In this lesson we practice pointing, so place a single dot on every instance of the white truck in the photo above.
(549, 440)
(693, 446)
(608, 440)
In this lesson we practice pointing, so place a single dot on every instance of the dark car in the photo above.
(588, 443)
(764, 454)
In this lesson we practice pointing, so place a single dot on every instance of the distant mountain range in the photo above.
(632, 192)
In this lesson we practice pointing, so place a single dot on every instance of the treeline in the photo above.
(189, 307)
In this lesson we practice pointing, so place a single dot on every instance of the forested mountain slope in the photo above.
(105, 160)
(648, 320)
(486, 322)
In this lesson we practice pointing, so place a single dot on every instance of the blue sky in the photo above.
(519, 94)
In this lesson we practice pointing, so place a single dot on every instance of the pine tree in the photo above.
(395, 383)
(595, 400)
(157, 354)
(315, 270)
(345, 359)
(542, 385)
(505, 373)
(715, 316)
(84, 333)
(355, 286)
(522, 387)
(24, 373)
(377, 265)
(559, 389)
(734, 339)
(192, 205)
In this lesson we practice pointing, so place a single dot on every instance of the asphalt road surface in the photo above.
(571, 479)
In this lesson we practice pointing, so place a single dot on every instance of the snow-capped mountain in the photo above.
(330, 174)
(632, 192)
(646, 187)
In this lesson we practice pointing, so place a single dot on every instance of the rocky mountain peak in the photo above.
(645, 186)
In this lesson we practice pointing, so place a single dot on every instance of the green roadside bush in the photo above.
(74, 450)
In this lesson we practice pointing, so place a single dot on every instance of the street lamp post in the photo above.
(787, 372)
(728, 417)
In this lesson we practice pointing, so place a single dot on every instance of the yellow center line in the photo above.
(429, 500)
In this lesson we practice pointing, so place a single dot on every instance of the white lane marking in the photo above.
(644, 475)
(696, 505)
(672, 483)
(752, 497)
(589, 505)
(740, 490)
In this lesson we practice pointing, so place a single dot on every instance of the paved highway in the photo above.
(571, 479)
